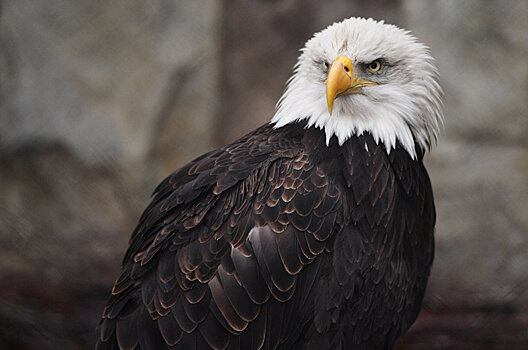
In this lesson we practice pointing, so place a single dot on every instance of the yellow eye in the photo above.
(326, 66)
(375, 66)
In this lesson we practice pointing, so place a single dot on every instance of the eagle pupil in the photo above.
(375, 66)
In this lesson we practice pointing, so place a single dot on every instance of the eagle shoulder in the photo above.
(219, 250)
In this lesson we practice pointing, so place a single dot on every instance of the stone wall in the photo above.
(480, 169)
(99, 100)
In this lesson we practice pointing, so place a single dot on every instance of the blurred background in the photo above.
(100, 100)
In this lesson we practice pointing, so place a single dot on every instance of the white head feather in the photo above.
(405, 106)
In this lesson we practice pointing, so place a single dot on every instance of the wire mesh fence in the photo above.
(100, 100)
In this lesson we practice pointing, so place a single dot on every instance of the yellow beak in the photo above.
(341, 81)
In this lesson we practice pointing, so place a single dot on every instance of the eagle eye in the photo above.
(375, 66)
(326, 66)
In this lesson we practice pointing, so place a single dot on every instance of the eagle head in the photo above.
(361, 75)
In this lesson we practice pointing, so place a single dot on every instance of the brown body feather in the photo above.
(278, 241)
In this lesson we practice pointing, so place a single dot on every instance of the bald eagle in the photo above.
(314, 231)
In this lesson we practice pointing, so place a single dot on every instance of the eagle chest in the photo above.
(383, 251)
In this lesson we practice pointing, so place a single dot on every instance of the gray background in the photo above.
(99, 100)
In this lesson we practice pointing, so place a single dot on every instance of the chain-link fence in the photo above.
(100, 100)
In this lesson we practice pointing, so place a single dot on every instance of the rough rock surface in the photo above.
(98, 101)
(480, 169)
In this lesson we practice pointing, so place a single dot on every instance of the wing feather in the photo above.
(228, 254)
